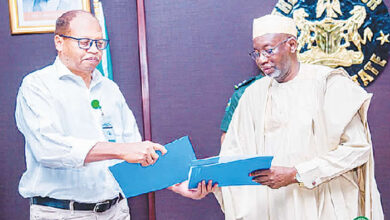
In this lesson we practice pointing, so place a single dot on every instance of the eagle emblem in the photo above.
(349, 34)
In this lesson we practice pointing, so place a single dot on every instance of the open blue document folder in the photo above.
(227, 171)
(169, 169)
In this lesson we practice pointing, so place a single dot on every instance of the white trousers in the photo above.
(119, 211)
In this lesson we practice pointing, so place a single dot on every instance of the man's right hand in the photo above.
(139, 152)
(142, 152)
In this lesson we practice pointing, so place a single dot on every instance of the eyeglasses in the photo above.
(86, 43)
(267, 53)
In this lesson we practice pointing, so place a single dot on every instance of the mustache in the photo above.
(92, 58)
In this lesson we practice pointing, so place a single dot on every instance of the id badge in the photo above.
(108, 132)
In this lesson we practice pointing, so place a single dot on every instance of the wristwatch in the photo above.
(299, 179)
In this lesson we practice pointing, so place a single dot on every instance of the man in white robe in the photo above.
(313, 120)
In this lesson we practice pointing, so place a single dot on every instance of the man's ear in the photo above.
(293, 45)
(58, 42)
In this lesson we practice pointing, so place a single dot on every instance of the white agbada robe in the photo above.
(316, 123)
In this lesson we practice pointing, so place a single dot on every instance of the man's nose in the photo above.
(93, 48)
(261, 59)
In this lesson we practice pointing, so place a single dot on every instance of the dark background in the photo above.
(197, 51)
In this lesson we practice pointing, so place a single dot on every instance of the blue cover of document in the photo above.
(169, 169)
(227, 171)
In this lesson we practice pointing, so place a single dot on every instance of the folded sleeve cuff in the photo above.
(79, 151)
(307, 174)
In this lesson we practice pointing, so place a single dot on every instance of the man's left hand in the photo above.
(198, 193)
(275, 177)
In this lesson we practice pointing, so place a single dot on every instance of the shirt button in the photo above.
(313, 183)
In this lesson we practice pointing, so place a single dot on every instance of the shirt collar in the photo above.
(63, 71)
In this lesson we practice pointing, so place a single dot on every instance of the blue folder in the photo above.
(227, 171)
(171, 168)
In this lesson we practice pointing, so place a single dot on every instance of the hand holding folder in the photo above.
(227, 171)
(169, 169)
(180, 164)
(199, 193)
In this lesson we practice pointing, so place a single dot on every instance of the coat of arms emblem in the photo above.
(353, 34)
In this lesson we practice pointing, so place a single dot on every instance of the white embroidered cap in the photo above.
(272, 24)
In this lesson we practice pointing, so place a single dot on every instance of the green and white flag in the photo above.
(105, 66)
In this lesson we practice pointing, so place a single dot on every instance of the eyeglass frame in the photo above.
(269, 52)
(107, 41)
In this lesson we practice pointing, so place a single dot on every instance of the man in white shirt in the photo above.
(76, 123)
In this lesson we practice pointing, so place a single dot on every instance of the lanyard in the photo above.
(108, 129)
